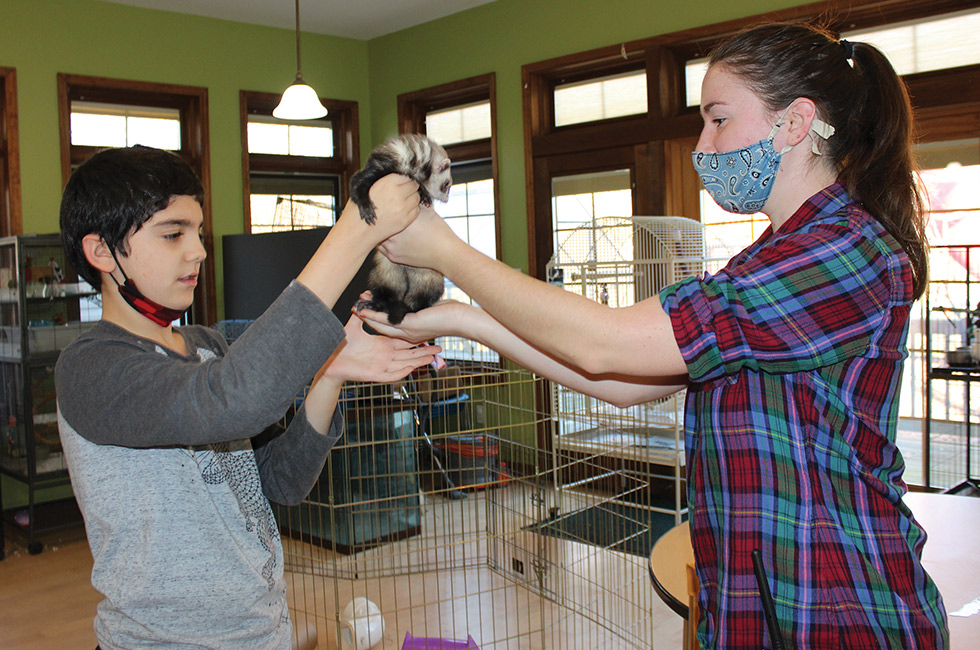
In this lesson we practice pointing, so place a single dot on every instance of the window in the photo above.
(267, 134)
(288, 201)
(109, 125)
(295, 173)
(694, 72)
(279, 202)
(459, 123)
(470, 210)
(97, 112)
(461, 117)
(921, 45)
(580, 198)
(728, 233)
(600, 99)
(927, 44)
(10, 209)
(471, 207)
(937, 53)
(950, 173)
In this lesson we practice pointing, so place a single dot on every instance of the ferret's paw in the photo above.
(368, 214)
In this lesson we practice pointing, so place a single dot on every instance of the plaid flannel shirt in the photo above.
(795, 352)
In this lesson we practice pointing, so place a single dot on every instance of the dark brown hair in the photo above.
(855, 89)
(114, 193)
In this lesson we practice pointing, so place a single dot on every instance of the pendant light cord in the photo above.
(299, 73)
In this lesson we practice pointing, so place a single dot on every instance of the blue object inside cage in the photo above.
(232, 329)
(451, 406)
(368, 492)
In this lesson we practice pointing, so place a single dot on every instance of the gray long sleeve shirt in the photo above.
(186, 550)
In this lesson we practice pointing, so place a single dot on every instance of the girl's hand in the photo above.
(363, 357)
(428, 242)
(441, 319)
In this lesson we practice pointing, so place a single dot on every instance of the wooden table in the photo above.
(951, 556)
(668, 567)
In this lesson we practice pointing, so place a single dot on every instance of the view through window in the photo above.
(460, 117)
(579, 198)
(600, 99)
(281, 200)
(933, 43)
(950, 176)
(116, 125)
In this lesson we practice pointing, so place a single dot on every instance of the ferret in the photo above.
(397, 289)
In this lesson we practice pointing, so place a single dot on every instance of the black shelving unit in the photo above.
(43, 307)
(964, 313)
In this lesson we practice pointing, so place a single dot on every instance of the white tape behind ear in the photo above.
(822, 129)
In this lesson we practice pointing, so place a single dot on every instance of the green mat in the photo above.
(614, 526)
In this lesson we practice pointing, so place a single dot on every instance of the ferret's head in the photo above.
(440, 180)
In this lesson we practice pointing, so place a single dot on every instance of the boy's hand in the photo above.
(363, 357)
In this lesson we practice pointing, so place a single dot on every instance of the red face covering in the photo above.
(156, 312)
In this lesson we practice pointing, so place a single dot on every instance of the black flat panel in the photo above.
(258, 267)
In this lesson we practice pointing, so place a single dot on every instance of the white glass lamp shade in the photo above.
(299, 102)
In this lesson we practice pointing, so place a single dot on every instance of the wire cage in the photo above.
(619, 261)
(484, 507)
(437, 518)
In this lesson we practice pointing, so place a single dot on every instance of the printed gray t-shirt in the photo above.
(176, 502)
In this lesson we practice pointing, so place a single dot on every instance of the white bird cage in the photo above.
(620, 261)
(632, 258)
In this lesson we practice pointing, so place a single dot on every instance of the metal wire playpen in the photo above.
(483, 507)
(440, 521)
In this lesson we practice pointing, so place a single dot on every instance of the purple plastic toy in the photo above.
(414, 643)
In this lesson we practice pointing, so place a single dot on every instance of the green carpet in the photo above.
(613, 526)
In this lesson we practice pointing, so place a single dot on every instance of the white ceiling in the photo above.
(359, 19)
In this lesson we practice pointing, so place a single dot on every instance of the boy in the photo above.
(156, 420)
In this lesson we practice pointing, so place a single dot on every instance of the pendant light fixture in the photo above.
(299, 101)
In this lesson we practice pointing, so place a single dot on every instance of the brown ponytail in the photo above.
(856, 90)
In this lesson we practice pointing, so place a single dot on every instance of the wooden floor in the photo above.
(49, 603)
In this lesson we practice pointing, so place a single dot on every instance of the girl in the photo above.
(792, 354)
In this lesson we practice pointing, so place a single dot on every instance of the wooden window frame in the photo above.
(10, 203)
(342, 114)
(192, 104)
(414, 106)
(662, 186)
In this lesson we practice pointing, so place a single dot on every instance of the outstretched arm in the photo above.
(635, 341)
(348, 243)
(452, 318)
(361, 357)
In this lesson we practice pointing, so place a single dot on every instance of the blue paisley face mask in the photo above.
(740, 181)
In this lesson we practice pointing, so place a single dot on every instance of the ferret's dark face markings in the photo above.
(440, 180)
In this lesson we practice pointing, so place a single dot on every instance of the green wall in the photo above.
(41, 38)
(502, 36)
